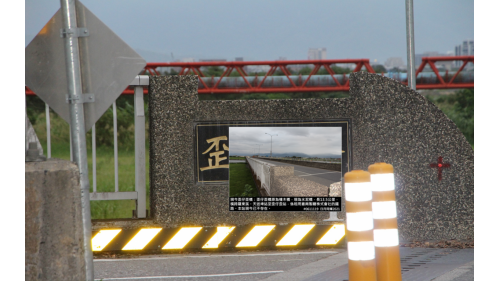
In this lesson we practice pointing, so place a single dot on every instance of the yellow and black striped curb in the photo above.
(224, 237)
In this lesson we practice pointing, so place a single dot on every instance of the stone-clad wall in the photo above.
(390, 123)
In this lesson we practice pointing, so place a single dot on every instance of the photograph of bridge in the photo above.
(284, 161)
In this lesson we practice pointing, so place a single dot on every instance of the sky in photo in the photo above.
(294, 141)
(167, 30)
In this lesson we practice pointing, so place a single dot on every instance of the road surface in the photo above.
(418, 264)
(321, 176)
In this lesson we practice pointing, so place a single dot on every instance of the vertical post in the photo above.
(271, 146)
(115, 137)
(26, 126)
(94, 165)
(359, 219)
(385, 232)
(271, 143)
(70, 144)
(77, 126)
(140, 151)
(410, 45)
(47, 120)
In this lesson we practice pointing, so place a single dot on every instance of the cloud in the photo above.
(285, 140)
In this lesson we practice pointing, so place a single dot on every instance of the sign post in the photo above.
(81, 85)
(77, 126)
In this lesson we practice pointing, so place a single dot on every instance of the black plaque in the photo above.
(212, 153)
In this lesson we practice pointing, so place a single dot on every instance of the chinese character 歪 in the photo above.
(217, 153)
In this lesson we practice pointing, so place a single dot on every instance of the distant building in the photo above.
(238, 59)
(418, 57)
(440, 64)
(394, 62)
(282, 58)
(316, 54)
(464, 49)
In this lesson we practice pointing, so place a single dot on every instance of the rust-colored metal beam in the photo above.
(298, 86)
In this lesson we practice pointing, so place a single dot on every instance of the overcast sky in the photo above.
(267, 30)
(307, 140)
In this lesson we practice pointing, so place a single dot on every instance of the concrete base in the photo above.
(53, 222)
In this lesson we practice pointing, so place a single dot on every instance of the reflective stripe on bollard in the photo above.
(359, 219)
(385, 231)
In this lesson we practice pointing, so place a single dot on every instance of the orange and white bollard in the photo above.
(359, 220)
(385, 231)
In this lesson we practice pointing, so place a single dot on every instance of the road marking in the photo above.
(192, 276)
(315, 174)
(215, 256)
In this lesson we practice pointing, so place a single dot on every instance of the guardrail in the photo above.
(262, 171)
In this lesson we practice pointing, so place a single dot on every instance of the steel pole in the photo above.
(140, 152)
(271, 143)
(271, 146)
(410, 45)
(77, 126)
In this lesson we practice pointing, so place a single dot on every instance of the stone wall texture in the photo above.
(53, 222)
(390, 123)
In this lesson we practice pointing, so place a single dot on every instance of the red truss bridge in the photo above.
(276, 76)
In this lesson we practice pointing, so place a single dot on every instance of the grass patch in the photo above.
(236, 158)
(105, 179)
(459, 107)
(240, 177)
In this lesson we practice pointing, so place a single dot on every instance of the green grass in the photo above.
(105, 179)
(239, 176)
(236, 158)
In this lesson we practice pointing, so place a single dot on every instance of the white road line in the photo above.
(191, 276)
(317, 174)
(215, 256)
(302, 172)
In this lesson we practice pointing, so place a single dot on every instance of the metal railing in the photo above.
(139, 195)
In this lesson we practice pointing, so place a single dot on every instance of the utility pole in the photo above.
(259, 148)
(271, 143)
(77, 126)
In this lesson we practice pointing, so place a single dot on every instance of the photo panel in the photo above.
(275, 166)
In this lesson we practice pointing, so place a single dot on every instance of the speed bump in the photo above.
(218, 238)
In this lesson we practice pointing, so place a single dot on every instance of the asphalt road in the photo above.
(419, 264)
(243, 266)
(321, 176)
